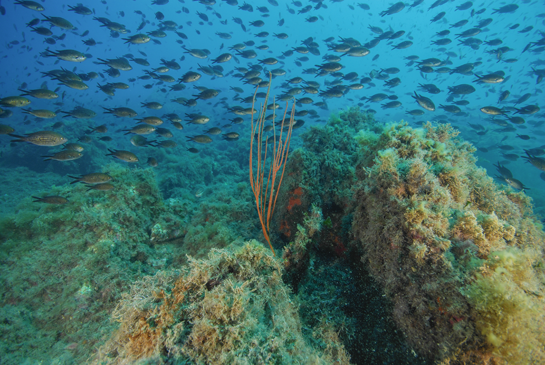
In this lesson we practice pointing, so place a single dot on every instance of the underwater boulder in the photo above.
(230, 308)
(460, 257)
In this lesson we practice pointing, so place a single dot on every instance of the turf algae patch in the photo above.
(63, 267)
(230, 308)
(460, 257)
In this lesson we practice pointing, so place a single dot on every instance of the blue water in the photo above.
(335, 20)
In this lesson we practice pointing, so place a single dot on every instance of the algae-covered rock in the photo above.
(460, 257)
(63, 267)
(322, 172)
(378, 222)
(321, 258)
(231, 308)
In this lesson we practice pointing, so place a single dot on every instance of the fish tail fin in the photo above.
(19, 138)
(77, 179)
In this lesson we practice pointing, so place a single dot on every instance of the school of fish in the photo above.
(201, 62)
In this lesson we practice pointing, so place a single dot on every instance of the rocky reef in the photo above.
(459, 257)
(393, 247)
(63, 267)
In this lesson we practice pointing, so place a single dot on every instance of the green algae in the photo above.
(64, 267)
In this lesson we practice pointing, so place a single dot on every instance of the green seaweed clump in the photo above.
(322, 172)
(232, 308)
(460, 257)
